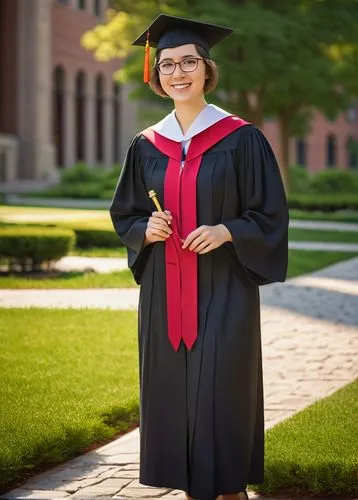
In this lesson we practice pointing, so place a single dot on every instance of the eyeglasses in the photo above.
(186, 65)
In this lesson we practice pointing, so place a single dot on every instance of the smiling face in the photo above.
(183, 86)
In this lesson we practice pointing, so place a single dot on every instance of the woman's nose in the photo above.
(178, 71)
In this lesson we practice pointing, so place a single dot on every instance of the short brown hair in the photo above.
(210, 83)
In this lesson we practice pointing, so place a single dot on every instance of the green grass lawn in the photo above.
(303, 262)
(338, 216)
(300, 262)
(119, 252)
(67, 379)
(50, 213)
(322, 236)
(315, 452)
(120, 279)
(21, 213)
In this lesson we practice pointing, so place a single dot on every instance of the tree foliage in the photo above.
(284, 59)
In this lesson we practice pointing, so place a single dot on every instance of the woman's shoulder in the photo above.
(247, 133)
(138, 143)
(142, 147)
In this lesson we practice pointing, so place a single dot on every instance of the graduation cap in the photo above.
(169, 31)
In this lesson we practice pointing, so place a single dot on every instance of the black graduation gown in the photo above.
(201, 411)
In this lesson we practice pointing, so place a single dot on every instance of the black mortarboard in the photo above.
(168, 31)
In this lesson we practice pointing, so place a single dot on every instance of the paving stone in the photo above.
(96, 264)
(74, 473)
(175, 494)
(111, 298)
(105, 487)
(143, 492)
(22, 494)
(121, 458)
(134, 474)
(131, 466)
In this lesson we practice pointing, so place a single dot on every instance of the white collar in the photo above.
(170, 128)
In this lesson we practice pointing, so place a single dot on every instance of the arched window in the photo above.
(301, 152)
(331, 150)
(80, 115)
(116, 121)
(81, 4)
(58, 113)
(352, 152)
(99, 118)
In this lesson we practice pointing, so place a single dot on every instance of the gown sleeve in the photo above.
(260, 234)
(130, 210)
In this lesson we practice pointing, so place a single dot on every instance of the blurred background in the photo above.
(290, 67)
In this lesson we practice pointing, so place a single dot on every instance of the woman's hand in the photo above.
(158, 227)
(207, 238)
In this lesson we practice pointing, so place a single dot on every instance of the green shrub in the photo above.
(82, 173)
(87, 234)
(30, 247)
(107, 194)
(111, 176)
(334, 181)
(84, 182)
(324, 202)
(299, 179)
(93, 234)
(76, 190)
(96, 238)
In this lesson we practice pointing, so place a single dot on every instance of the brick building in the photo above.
(329, 144)
(59, 106)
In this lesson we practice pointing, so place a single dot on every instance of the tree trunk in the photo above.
(251, 103)
(284, 159)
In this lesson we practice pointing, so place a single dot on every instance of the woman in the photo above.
(223, 232)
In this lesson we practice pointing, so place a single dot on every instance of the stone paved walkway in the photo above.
(310, 345)
(324, 225)
(96, 264)
(323, 246)
(103, 298)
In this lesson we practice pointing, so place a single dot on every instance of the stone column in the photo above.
(108, 124)
(37, 153)
(90, 119)
(69, 132)
(129, 123)
(104, 8)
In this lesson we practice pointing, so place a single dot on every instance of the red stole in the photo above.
(180, 200)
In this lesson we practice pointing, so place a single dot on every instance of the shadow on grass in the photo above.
(44, 275)
(73, 442)
(325, 479)
(314, 452)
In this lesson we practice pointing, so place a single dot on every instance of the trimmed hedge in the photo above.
(324, 202)
(327, 182)
(86, 235)
(84, 182)
(334, 181)
(97, 238)
(299, 179)
(96, 234)
(30, 247)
